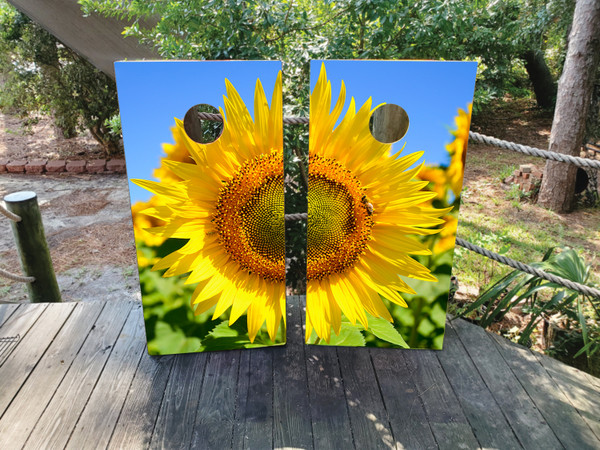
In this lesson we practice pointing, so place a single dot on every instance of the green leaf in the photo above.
(350, 336)
(232, 337)
(385, 331)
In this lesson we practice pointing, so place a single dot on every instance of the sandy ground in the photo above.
(88, 227)
(43, 140)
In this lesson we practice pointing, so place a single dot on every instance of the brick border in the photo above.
(40, 166)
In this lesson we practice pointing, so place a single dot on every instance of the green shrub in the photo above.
(40, 75)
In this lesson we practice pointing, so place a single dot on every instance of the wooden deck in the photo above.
(80, 377)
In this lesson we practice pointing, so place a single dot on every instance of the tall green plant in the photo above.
(521, 288)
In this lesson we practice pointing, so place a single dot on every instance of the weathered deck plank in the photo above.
(368, 416)
(34, 342)
(446, 418)
(215, 412)
(292, 425)
(524, 418)
(62, 413)
(561, 416)
(175, 421)
(140, 411)
(253, 425)
(478, 404)
(578, 387)
(99, 417)
(407, 417)
(21, 418)
(6, 311)
(481, 391)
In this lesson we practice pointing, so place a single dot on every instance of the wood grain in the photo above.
(292, 424)
(98, 419)
(177, 414)
(21, 418)
(215, 413)
(253, 424)
(578, 387)
(526, 421)
(35, 339)
(368, 416)
(561, 416)
(144, 399)
(62, 413)
(483, 413)
(407, 416)
(444, 412)
(480, 392)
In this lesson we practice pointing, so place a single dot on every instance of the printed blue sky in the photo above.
(429, 91)
(152, 94)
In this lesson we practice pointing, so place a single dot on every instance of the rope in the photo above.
(290, 120)
(476, 137)
(14, 277)
(297, 216)
(560, 157)
(6, 213)
(530, 270)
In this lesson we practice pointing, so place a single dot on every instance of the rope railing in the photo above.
(473, 136)
(9, 215)
(504, 260)
(532, 151)
(581, 288)
(483, 139)
(13, 277)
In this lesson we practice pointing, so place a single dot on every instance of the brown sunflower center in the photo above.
(339, 219)
(250, 216)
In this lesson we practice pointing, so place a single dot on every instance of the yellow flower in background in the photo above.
(451, 178)
(230, 207)
(438, 177)
(447, 236)
(175, 152)
(141, 222)
(364, 206)
(458, 150)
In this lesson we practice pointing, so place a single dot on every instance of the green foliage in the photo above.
(172, 327)
(380, 333)
(519, 288)
(43, 76)
(494, 33)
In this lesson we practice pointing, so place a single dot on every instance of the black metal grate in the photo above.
(7, 344)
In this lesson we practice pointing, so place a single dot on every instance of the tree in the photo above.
(42, 75)
(574, 95)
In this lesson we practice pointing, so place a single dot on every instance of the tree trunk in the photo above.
(541, 78)
(572, 103)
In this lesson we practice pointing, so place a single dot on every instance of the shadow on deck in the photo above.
(80, 376)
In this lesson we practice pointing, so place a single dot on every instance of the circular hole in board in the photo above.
(388, 123)
(200, 130)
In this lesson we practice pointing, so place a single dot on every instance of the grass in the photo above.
(506, 222)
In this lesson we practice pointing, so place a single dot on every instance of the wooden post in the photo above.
(32, 246)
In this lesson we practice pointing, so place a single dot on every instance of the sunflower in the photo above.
(458, 149)
(228, 205)
(364, 207)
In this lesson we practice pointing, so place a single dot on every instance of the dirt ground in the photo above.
(88, 227)
(43, 141)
